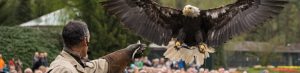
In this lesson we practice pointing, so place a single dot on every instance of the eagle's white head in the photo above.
(191, 11)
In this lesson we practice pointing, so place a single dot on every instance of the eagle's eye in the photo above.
(190, 7)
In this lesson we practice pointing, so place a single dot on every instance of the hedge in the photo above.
(23, 42)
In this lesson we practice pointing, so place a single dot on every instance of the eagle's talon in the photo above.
(177, 43)
(202, 48)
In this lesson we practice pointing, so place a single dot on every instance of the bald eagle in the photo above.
(191, 33)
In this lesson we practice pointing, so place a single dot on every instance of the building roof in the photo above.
(52, 19)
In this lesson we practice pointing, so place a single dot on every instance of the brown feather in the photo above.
(151, 21)
(242, 16)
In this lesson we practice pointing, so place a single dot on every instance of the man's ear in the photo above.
(84, 42)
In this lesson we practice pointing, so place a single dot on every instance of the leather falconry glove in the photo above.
(118, 60)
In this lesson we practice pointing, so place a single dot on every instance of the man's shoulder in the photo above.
(60, 69)
(59, 64)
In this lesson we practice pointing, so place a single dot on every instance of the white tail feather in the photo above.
(189, 55)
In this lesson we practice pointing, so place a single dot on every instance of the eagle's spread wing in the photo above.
(239, 17)
(146, 18)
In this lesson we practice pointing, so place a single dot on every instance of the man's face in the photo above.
(85, 47)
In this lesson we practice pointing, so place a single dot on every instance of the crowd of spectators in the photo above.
(162, 65)
(39, 64)
(141, 65)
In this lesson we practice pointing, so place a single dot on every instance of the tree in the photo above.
(107, 34)
(281, 30)
(15, 12)
(22, 43)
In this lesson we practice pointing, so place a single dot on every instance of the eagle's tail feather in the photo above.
(171, 52)
(189, 55)
(199, 59)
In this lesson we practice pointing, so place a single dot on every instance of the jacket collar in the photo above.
(74, 60)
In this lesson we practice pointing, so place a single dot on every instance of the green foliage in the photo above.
(22, 43)
(15, 12)
(107, 34)
(286, 26)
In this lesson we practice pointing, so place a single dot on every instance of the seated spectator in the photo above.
(37, 64)
(162, 61)
(181, 64)
(12, 68)
(146, 61)
(182, 70)
(155, 62)
(206, 71)
(40, 60)
(35, 57)
(221, 70)
(43, 57)
(226, 71)
(13, 71)
(138, 63)
(191, 70)
(5, 69)
(214, 71)
(201, 70)
(174, 65)
(43, 68)
(18, 65)
(28, 70)
(12, 62)
(38, 71)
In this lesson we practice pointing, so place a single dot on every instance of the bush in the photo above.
(22, 42)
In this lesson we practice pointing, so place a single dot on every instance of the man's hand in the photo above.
(119, 60)
(137, 50)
